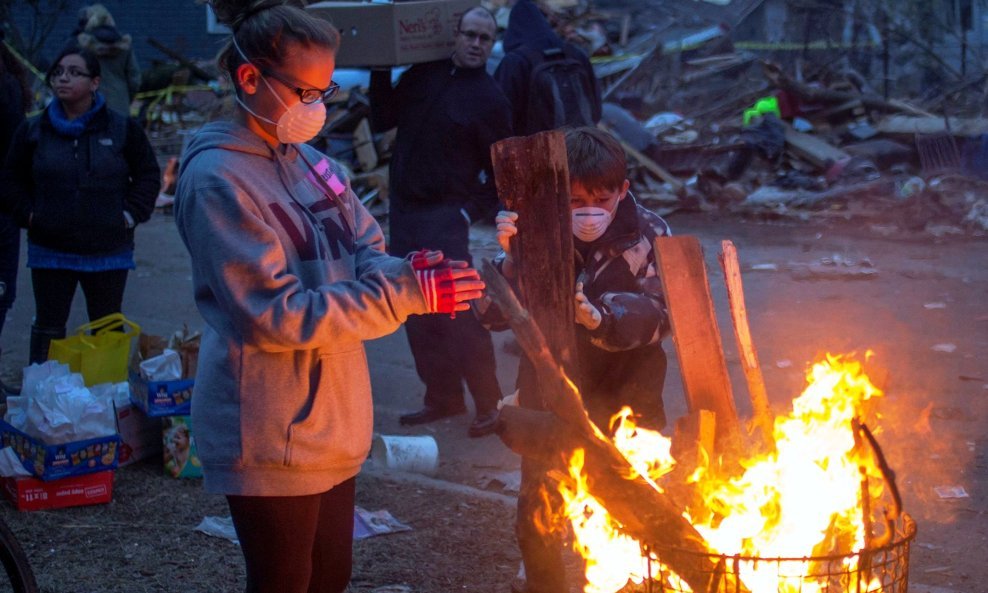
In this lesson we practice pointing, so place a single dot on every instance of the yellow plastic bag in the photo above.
(101, 357)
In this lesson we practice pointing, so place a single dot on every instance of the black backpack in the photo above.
(561, 90)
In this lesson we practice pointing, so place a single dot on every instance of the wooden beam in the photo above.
(763, 417)
(812, 148)
(532, 178)
(908, 125)
(557, 393)
(363, 146)
(645, 161)
(644, 512)
(695, 333)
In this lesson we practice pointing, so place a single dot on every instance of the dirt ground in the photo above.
(924, 293)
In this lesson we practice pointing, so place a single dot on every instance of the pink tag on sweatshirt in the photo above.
(334, 183)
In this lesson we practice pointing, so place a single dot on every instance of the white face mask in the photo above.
(299, 123)
(589, 223)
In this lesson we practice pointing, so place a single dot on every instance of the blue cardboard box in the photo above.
(52, 462)
(161, 398)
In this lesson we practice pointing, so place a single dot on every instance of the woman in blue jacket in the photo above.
(79, 177)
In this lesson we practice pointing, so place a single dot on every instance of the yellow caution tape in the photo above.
(168, 90)
(24, 61)
(790, 46)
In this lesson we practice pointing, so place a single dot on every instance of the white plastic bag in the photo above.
(56, 407)
(166, 366)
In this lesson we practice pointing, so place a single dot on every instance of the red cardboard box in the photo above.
(31, 494)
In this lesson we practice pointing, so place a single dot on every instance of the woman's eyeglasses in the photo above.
(71, 71)
(307, 96)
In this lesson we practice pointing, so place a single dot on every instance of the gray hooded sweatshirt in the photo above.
(282, 401)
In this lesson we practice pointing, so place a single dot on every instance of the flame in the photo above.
(807, 498)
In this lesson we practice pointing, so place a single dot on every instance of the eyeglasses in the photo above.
(71, 71)
(473, 36)
(307, 96)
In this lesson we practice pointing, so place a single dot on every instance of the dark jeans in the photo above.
(296, 544)
(54, 290)
(447, 351)
(10, 251)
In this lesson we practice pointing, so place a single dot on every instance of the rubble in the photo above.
(681, 93)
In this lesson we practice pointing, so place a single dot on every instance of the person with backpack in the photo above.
(549, 82)
(79, 177)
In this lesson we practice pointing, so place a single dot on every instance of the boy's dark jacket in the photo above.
(75, 191)
(622, 361)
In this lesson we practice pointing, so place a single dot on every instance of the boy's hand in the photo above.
(586, 314)
(505, 221)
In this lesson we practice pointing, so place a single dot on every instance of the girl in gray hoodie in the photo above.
(290, 276)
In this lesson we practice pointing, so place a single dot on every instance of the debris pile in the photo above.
(708, 125)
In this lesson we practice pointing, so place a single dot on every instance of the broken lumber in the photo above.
(645, 513)
(695, 333)
(557, 392)
(363, 146)
(646, 162)
(763, 418)
(812, 148)
(184, 61)
(532, 178)
(813, 94)
(908, 125)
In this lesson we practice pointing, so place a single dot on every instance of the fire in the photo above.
(804, 499)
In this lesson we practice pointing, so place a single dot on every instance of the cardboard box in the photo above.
(51, 462)
(393, 34)
(161, 398)
(31, 494)
(140, 435)
(180, 453)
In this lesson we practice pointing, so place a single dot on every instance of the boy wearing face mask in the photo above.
(621, 319)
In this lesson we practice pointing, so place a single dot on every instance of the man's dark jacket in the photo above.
(447, 119)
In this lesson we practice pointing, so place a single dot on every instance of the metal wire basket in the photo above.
(881, 569)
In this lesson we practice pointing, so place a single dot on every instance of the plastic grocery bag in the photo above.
(100, 357)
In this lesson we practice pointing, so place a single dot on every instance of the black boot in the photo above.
(5, 389)
(41, 338)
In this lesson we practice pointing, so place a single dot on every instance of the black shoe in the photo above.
(483, 425)
(428, 414)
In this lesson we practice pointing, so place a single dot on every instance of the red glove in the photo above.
(438, 288)
(423, 259)
(442, 280)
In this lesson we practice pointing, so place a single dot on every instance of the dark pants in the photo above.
(54, 290)
(447, 351)
(296, 544)
(10, 251)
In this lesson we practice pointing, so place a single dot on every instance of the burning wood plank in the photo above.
(746, 347)
(695, 333)
(646, 513)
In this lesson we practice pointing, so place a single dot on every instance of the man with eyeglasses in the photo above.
(448, 113)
